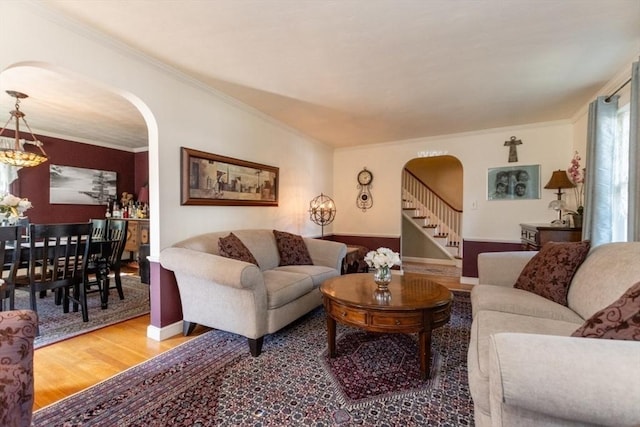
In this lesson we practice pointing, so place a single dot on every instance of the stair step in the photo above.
(419, 217)
(429, 226)
(441, 236)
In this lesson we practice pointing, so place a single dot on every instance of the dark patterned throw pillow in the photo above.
(292, 249)
(619, 321)
(550, 271)
(232, 247)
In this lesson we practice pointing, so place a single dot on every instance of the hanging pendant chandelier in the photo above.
(17, 156)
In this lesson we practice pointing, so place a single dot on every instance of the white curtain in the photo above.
(633, 228)
(599, 188)
(8, 173)
(603, 201)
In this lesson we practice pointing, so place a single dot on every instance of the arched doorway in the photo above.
(432, 194)
(76, 116)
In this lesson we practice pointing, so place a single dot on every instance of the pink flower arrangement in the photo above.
(576, 175)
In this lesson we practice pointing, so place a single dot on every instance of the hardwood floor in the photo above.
(70, 366)
(67, 367)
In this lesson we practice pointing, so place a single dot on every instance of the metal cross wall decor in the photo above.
(513, 148)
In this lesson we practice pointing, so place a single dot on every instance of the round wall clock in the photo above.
(365, 177)
(364, 200)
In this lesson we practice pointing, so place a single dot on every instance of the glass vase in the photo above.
(382, 277)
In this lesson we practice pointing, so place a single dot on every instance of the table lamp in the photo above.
(559, 180)
(322, 211)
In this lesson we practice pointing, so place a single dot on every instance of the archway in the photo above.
(432, 194)
(65, 106)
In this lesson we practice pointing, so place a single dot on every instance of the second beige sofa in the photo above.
(525, 368)
(243, 298)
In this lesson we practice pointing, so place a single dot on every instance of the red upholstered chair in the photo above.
(17, 332)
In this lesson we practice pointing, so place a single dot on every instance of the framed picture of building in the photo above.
(211, 179)
(513, 183)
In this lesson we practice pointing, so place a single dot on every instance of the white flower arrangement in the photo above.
(382, 258)
(13, 206)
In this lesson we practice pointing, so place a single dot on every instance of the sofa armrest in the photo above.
(17, 332)
(591, 381)
(326, 252)
(502, 268)
(218, 269)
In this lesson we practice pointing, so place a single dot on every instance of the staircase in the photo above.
(438, 221)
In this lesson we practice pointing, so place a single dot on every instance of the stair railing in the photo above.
(447, 219)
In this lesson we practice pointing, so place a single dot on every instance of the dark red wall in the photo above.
(471, 249)
(33, 182)
(141, 167)
(372, 243)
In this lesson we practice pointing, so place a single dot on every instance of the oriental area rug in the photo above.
(57, 326)
(212, 380)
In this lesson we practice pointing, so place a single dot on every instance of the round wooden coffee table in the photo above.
(414, 304)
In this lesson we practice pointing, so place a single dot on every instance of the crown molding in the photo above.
(85, 31)
(618, 80)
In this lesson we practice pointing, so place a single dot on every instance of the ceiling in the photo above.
(351, 72)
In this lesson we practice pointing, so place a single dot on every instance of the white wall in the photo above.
(548, 144)
(179, 112)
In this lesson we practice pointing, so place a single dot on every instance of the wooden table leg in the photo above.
(425, 353)
(331, 336)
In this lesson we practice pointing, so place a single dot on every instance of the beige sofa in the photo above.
(524, 366)
(241, 297)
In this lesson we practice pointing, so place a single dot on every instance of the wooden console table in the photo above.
(137, 234)
(534, 236)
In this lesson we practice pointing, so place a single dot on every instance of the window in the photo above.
(7, 173)
(620, 177)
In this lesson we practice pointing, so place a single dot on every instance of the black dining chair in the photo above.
(23, 223)
(116, 234)
(99, 230)
(58, 256)
(10, 254)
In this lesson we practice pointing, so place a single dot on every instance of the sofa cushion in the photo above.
(292, 249)
(488, 322)
(285, 286)
(517, 301)
(612, 264)
(232, 247)
(549, 273)
(318, 273)
(619, 321)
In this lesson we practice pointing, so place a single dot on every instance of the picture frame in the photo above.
(215, 180)
(513, 183)
(69, 185)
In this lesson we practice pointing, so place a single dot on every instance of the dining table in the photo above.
(99, 251)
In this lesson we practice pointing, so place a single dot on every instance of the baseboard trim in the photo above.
(469, 280)
(161, 334)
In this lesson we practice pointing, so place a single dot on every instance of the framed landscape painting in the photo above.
(81, 186)
(513, 183)
(210, 179)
